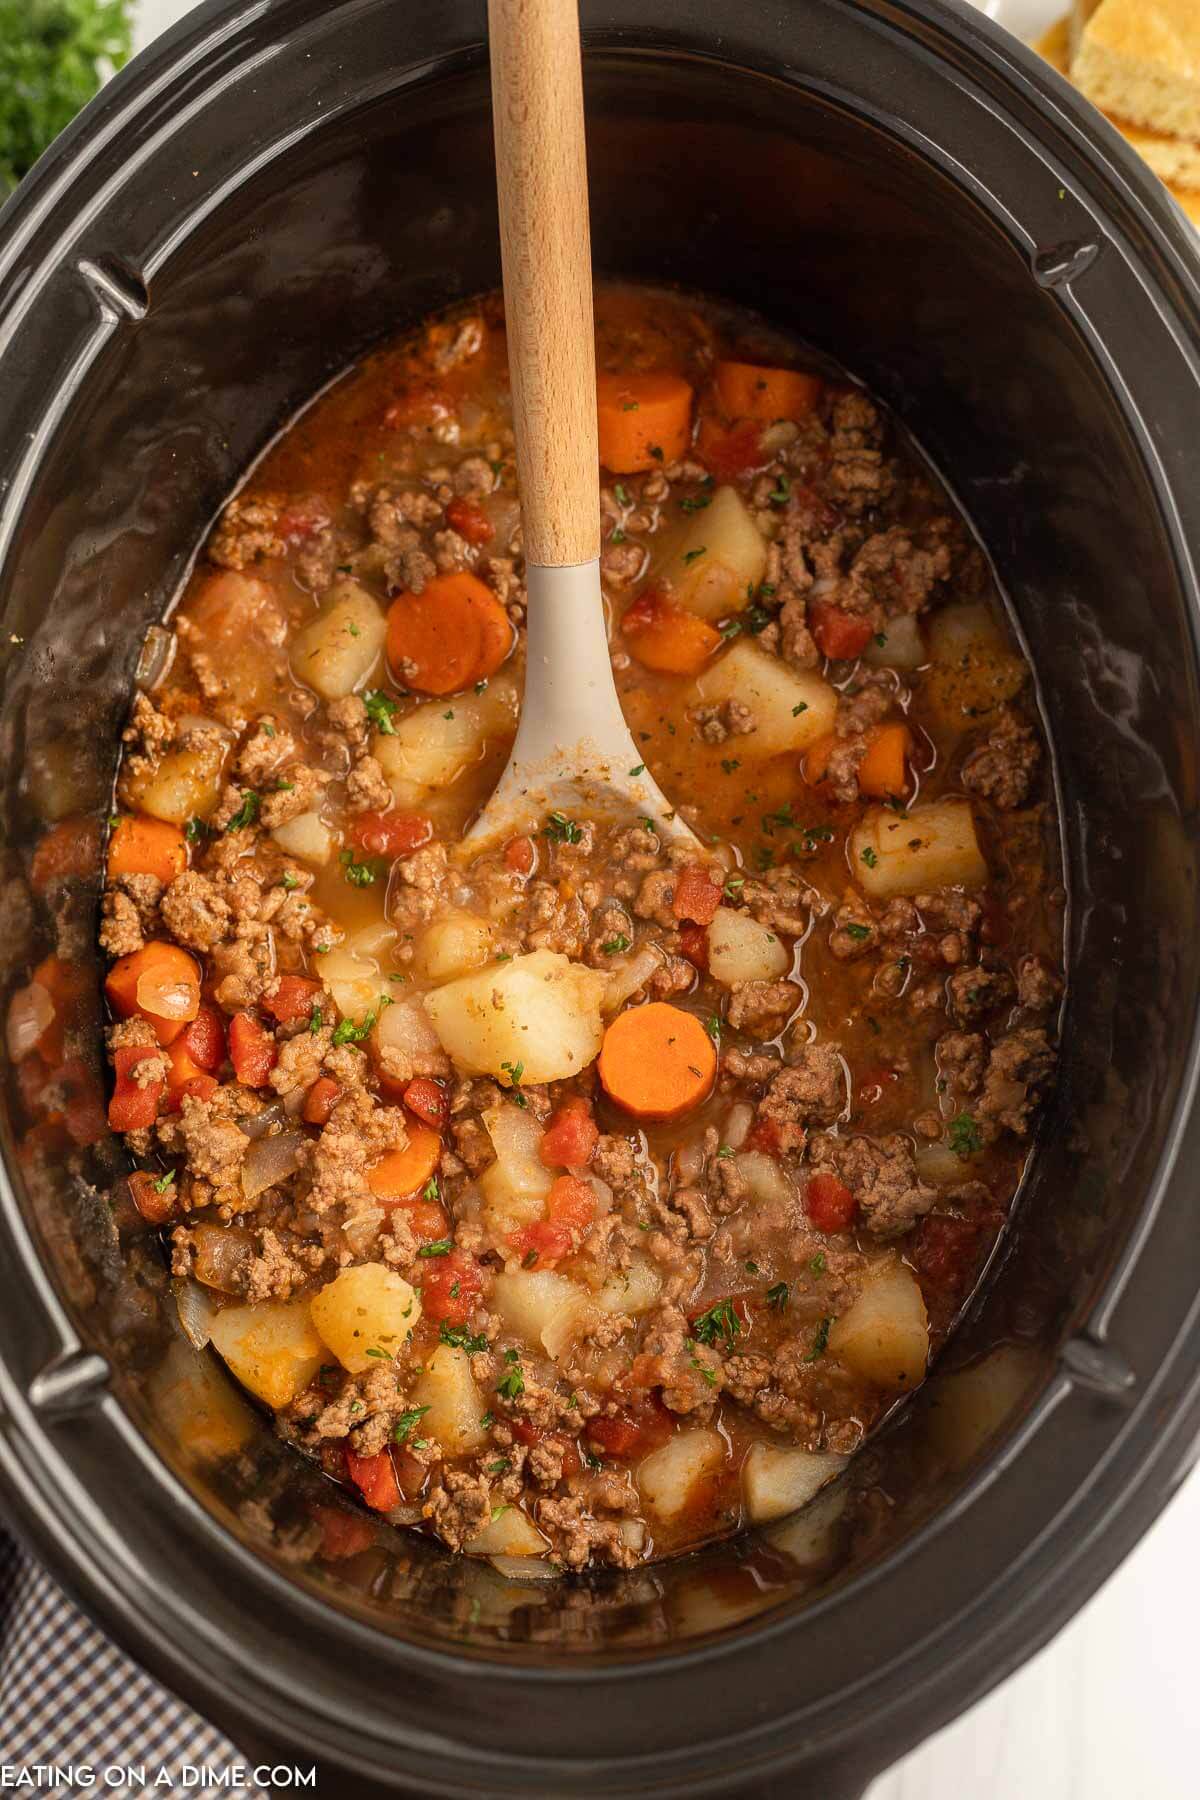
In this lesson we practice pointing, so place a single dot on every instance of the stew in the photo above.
(589, 1197)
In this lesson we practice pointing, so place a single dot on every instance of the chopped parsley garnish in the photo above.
(430, 1190)
(802, 707)
(443, 1247)
(512, 1384)
(821, 1341)
(404, 1424)
(638, 769)
(358, 874)
(347, 1032)
(613, 946)
(730, 763)
(720, 1321)
(783, 817)
(381, 709)
(779, 1295)
(459, 1338)
(315, 1020)
(448, 715)
(703, 1369)
(869, 857)
(246, 813)
(858, 932)
(713, 1027)
(561, 829)
(726, 1150)
(753, 620)
(966, 1139)
(529, 1258)
(164, 1182)
(618, 536)
(622, 493)
(817, 1265)
(752, 1268)
(697, 503)
(514, 1071)
(733, 886)
(781, 493)
(382, 1354)
(818, 834)
(288, 882)
(195, 830)
(501, 1466)
(690, 556)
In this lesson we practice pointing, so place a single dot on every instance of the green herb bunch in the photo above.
(54, 55)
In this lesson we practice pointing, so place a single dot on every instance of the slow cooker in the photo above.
(264, 194)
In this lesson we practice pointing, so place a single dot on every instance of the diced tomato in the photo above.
(697, 895)
(450, 1287)
(82, 1100)
(728, 452)
(391, 833)
(946, 1250)
(320, 1100)
(765, 1135)
(520, 855)
(693, 941)
(571, 1136)
(839, 635)
(293, 999)
(430, 1224)
(633, 1431)
(156, 1204)
(342, 1533)
(375, 1479)
(251, 1049)
(418, 403)
(134, 1105)
(204, 1038)
(570, 1209)
(70, 848)
(470, 521)
(429, 1101)
(829, 1203)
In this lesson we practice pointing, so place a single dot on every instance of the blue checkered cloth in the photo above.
(70, 1699)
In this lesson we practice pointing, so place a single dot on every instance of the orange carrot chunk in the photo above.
(140, 846)
(657, 1062)
(448, 637)
(882, 772)
(645, 421)
(666, 638)
(403, 1172)
(815, 761)
(160, 983)
(748, 392)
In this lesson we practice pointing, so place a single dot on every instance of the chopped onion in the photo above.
(271, 1160)
(602, 1191)
(196, 1312)
(30, 1012)
(689, 1162)
(158, 653)
(221, 1252)
(630, 975)
(738, 1121)
(167, 997)
(258, 1124)
(632, 1532)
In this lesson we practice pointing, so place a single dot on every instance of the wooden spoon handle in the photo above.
(541, 177)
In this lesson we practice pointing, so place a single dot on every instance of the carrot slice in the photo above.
(882, 772)
(68, 848)
(666, 638)
(403, 1172)
(140, 846)
(749, 392)
(645, 421)
(160, 983)
(448, 637)
(657, 1061)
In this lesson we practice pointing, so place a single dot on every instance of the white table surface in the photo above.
(1110, 1709)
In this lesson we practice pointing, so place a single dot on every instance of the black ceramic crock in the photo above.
(256, 199)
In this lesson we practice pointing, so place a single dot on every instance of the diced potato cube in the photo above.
(545, 1309)
(510, 1533)
(270, 1346)
(792, 709)
(430, 747)
(666, 1478)
(777, 1479)
(903, 647)
(515, 1186)
(355, 982)
(337, 651)
(539, 1013)
(307, 838)
(456, 1409)
(197, 1406)
(767, 1179)
(184, 784)
(633, 1290)
(453, 945)
(914, 852)
(404, 1035)
(366, 1314)
(714, 565)
(740, 949)
(885, 1334)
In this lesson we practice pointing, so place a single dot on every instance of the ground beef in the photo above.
(622, 563)
(716, 723)
(1038, 987)
(577, 1538)
(1019, 1067)
(688, 1372)
(194, 912)
(215, 1149)
(856, 476)
(782, 900)
(248, 530)
(367, 788)
(761, 1008)
(811, 1090)
(1002, 769)
(961, 1058)
(459, 1506)
(265, 749)
(120, 924)
(300, 789)
(655, 898)
(614, 1160)
(973, 993)
(348, 719)
(881, 1175)
(854, 931)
